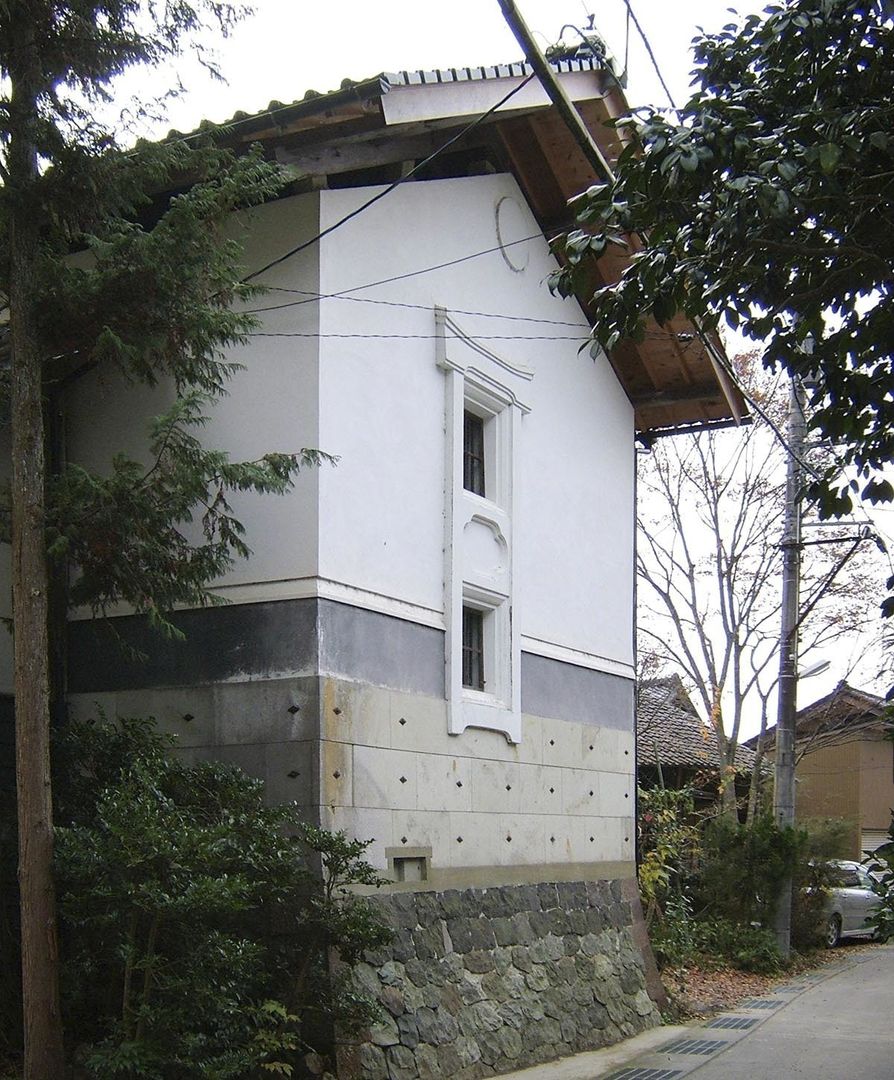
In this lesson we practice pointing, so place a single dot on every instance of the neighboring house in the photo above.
(845, 764)
(675, 748)
(432, 644)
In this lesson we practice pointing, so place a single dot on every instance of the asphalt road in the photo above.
(837, 1028)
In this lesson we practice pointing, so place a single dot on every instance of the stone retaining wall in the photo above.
(484, 981)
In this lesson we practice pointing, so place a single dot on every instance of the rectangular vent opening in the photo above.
(410, 868)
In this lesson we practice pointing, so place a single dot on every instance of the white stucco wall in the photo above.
(357, 376)
(382, 411)
(271, 405)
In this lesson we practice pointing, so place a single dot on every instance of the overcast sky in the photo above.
(289, 46)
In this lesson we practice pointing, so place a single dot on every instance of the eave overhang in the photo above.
(676, 378)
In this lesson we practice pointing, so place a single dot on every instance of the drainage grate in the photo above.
(739, 1022)
(704, 1047)
(760, 1003)
(644, 1074)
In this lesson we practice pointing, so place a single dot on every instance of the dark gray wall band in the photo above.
(379, 649)
(568, 692)
(254, 640)
(278, 638)
(311, 636)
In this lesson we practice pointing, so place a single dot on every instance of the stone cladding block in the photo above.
(477, 982)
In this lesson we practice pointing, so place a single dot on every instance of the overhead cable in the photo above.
(386, 191)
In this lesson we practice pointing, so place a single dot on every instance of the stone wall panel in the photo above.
(478, 982)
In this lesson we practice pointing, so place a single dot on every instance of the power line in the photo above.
(401, 180)
(312, 296)
(648, 46)
(410, 273)
(408, 337)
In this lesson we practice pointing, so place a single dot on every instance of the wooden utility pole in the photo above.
(555, 90)
(787, 704)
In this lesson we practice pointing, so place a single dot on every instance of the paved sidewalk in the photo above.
(831, 1024)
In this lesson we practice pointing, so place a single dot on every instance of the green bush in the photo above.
(196, 938)
(882, 859)
(742, 869)
(749, 948)
(668, 844)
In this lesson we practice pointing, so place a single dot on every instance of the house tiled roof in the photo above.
(844, 714)
(669, 730)
(282, 113)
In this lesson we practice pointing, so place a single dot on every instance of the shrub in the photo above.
(749, 948)
(196, 938)
(668, 843)
(742, 869)
(882, 862)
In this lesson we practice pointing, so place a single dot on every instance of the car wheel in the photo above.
(833, 931)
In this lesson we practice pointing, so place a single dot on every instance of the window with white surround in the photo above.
(483, 415)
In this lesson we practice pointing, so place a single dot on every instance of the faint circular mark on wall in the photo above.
(512, 225)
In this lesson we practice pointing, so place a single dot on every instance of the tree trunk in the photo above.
(44, 1058)
(755, 788)
(726, 756)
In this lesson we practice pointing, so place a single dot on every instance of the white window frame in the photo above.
(481, 385)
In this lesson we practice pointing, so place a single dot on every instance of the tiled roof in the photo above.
(844, 714)
(670, 731)
(495, 71)
(378, 85)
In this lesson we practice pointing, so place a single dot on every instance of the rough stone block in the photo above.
(372, 1062)
(452, 905)
(537, 979)
(479, 961)
(494, 903)
(522, 959)
(393, 1000)
(427, 1062)
(384, 1032)
(559, 923)
(429, 943)
(470, 990)
(502, 959)
(542, 922)
(572, 895)
(547, 895)
(409, 1033)
(522, 929)
(460, 933)
(428, 908)
(436, 1026)
(401, 1063)
(392, 973)
(420, 974)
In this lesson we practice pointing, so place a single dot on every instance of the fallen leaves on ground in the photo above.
(696, 992)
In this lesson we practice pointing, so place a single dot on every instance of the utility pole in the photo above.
(555, 90)
(784, 789)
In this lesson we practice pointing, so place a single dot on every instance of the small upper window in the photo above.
(473, 453)
(473, 648)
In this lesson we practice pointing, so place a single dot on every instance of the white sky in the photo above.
(289, 46)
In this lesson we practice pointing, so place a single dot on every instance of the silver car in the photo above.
(850, 902)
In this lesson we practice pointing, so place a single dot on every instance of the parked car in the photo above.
(850, 902)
